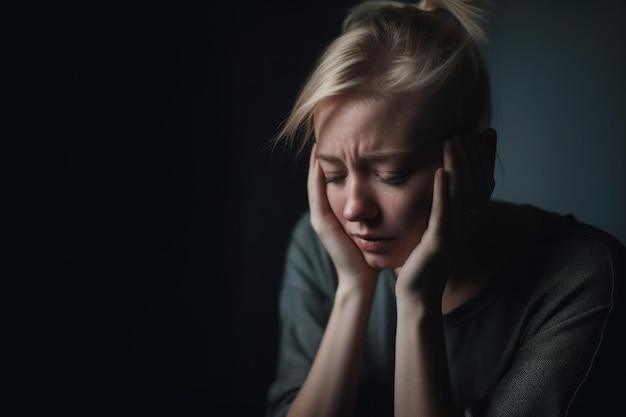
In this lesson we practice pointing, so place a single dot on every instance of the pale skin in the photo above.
(386, 192)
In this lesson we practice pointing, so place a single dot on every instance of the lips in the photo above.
(370, 237)
(372, 243)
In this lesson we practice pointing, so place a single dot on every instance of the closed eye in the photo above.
(333, 180)
(396, 180)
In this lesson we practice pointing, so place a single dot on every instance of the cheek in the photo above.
(413, 209)
(422, 198)
(336, 201)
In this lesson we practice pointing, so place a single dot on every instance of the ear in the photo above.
(488, 139)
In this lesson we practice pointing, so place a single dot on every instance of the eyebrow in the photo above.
(373, 156)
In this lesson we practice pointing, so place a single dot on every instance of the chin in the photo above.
(378, 261)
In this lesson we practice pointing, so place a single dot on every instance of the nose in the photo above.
(360, 204)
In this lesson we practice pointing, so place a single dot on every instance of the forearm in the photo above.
(422, 381)
(332, 383)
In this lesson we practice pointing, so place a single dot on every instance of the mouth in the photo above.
(372, 243)
(371, 238)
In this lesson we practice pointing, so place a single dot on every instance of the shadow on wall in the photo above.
(557, 73)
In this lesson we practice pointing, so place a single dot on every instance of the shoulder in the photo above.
(302, 228)
(307, 262)
(580, 248)
(573, 263)
(303, 237)
(587, 270)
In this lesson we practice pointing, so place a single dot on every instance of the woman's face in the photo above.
(378, 162)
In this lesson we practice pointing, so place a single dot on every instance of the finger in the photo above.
(310, 183)
(315, 185)
(457, 187)
(451, 166)
(437, 221)
(480, 173)
(467, 166)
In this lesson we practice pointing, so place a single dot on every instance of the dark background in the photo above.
(152, 216)
(148, 219)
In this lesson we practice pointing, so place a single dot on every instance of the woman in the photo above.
(406, 289)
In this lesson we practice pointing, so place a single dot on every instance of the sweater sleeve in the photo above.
(305, 302)
(565, 348)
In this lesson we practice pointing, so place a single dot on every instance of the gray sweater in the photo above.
(524, 346)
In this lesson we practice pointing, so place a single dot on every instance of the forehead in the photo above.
(362, 125)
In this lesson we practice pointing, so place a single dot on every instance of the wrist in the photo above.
(418, 303)
(357, 282)
(355, 289)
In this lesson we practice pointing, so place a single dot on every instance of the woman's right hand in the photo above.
(352, 270)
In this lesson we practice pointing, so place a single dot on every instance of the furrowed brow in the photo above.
(374, 156)
(329, 158)
(385, 155)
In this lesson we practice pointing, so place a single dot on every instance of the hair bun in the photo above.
(469, 13)
(432, 6)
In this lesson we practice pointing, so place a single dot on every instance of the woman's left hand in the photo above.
(462, 188)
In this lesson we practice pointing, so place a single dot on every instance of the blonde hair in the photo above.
(389, 50)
